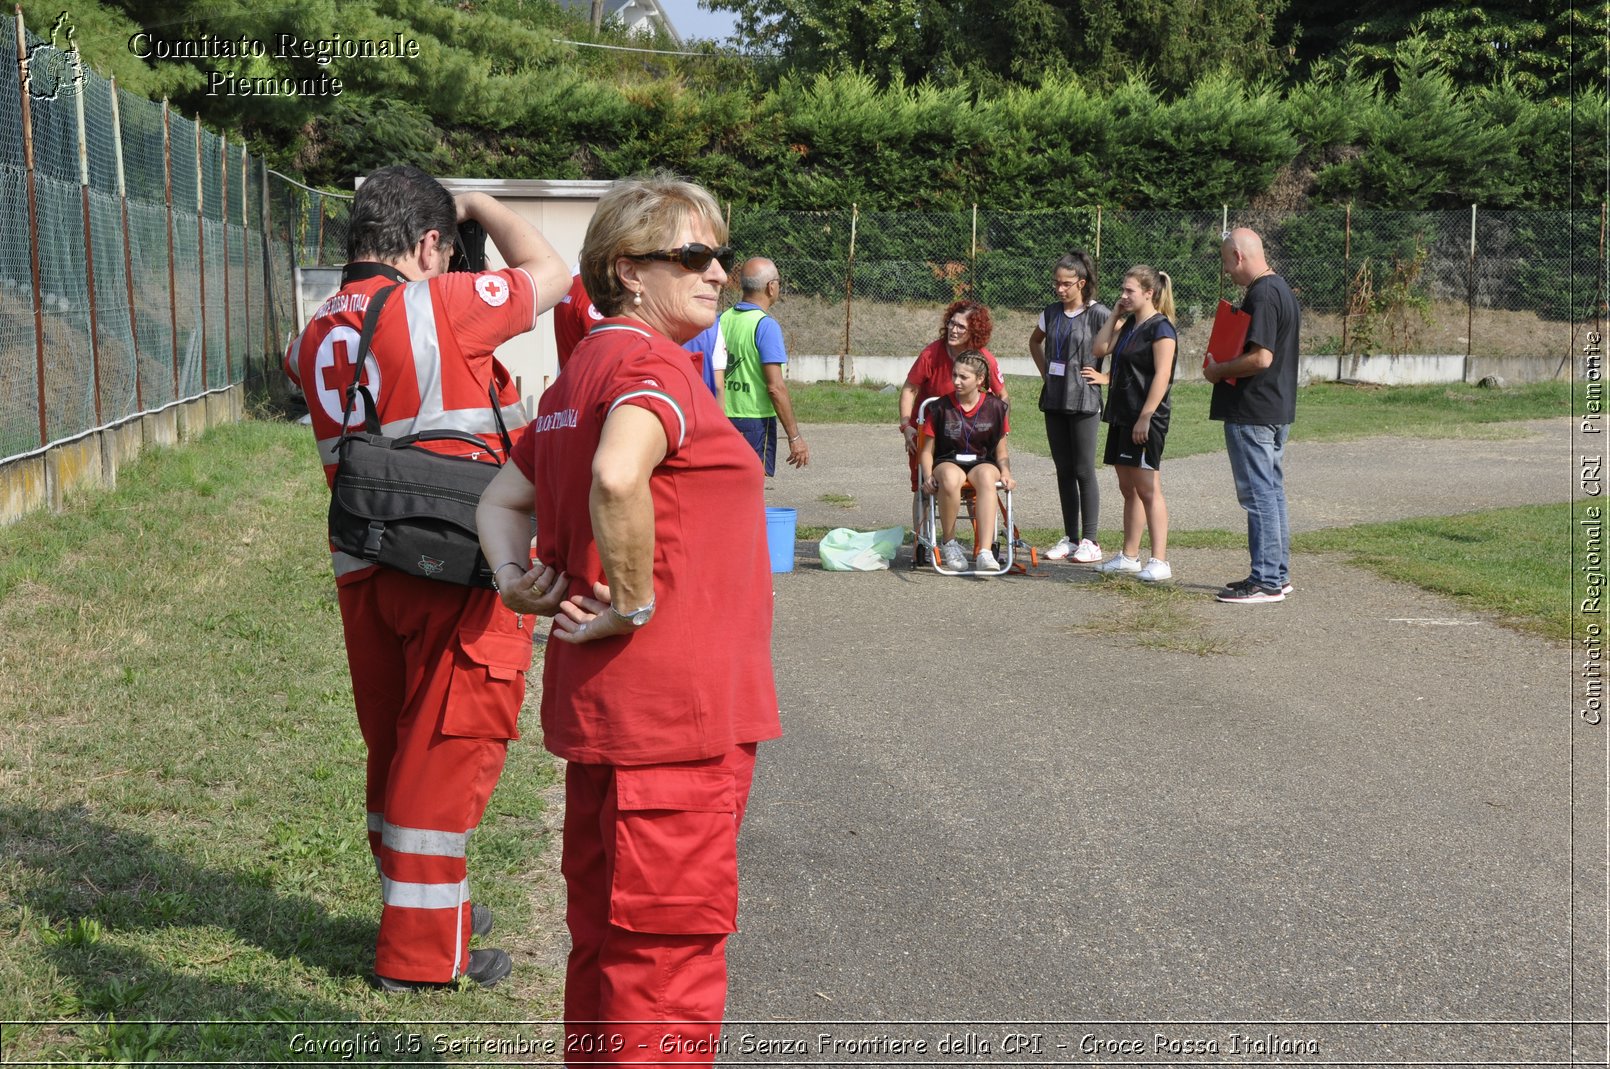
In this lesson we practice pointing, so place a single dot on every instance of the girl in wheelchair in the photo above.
(964, 444)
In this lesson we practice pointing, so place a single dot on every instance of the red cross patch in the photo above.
(492, 289)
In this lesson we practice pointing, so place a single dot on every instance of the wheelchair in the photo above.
(1005, 542)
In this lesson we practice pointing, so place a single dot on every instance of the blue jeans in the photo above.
(1257, 455)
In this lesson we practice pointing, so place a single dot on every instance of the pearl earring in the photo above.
(637, 299)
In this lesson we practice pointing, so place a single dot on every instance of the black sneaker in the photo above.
(1247, 592)
(480, 919)
(486, 968)
(1285, 588)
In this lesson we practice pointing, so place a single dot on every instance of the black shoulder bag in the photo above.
(400, 505)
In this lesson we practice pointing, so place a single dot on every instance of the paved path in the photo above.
(1331, 484)
(996, 802)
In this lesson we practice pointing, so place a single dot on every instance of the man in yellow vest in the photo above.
(755, 394)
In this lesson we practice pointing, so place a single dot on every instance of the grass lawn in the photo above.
(181, 777)
(1472, 558)
(1325, 411)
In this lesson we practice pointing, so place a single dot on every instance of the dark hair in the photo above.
(974, 361)
(394, 208)
(1080, 263)
(979, 326)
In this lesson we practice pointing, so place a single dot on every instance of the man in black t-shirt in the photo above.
(1256, 396)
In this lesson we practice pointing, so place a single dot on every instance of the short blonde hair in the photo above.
(640, 215)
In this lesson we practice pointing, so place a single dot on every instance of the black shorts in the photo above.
(1122, 452)
(965, 465)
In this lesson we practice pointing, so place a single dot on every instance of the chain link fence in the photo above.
(1470, 283)
(157, 270)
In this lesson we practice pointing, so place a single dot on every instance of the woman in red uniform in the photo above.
(659, 682)
(966, 325)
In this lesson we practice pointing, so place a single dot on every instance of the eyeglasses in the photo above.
(693, 256)
(956, 324)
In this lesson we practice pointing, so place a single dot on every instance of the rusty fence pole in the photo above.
(223, 219)
(128, 244)
(25, 88)
(849, 291)
(1470, 294)
(89, 241)
(1098, 241)
(1347, 273)
(268, 270)
(245, 261)
(201, 255)
(173, 278)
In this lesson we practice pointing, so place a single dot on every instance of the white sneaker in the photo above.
(986, 562)
(1061, 550)
(1119, 563)
(952, 556)
(1155, 571)
(1087, 552)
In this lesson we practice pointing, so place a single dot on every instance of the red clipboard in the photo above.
(1229, 337)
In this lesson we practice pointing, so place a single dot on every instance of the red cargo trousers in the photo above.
(651, 867)
(438, 674)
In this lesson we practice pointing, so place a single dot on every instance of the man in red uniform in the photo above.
(438, 670)
(573, 317)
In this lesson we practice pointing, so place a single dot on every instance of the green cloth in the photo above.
(747, 397)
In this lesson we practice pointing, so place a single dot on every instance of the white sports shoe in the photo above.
(952, 556)
(986, 562)
(1155, 571)
(1061, 550)
(1119, 563)
(1087, 552)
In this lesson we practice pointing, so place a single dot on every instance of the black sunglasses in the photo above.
(693, 256)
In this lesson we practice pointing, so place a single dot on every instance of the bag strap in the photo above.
(371, 422)
(371, 319)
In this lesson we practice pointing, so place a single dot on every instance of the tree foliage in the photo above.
(900, 104)
(991, 42)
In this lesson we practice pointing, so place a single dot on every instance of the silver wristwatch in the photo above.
(638, 617)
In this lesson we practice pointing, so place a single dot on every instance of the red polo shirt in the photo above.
(573, 317)
(931, 373)
(696, 680)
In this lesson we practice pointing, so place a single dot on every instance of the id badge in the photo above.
(966, 458)
(1058, 368)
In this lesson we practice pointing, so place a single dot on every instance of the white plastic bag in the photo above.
(845, 550)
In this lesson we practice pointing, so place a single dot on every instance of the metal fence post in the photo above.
(128, 244)
(223, 215)
(849, 289)
(1470, 295)
(1098, 241)
(245, 260)
(1347, 273)
(268, 272)
(24, 85)
(89, 243)
(972, 256)
(173, 278)
(201, 256)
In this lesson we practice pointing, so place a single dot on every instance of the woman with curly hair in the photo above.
(965, 325)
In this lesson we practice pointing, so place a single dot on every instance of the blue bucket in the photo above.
(781, 524)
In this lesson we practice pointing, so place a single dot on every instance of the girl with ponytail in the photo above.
(1142, 341)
